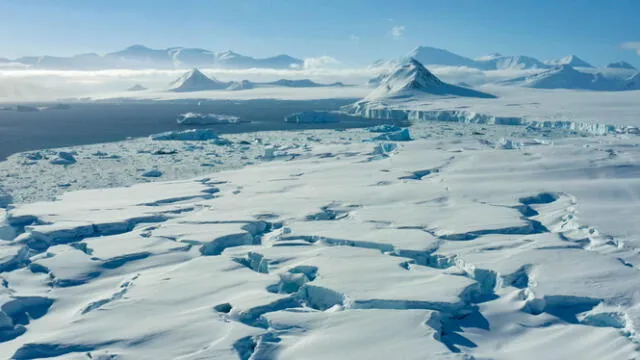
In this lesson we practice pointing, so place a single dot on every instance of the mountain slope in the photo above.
(412, 79)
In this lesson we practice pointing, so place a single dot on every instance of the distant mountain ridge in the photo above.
(142, 57)
(196, 80)
(567, 77)
(429, 55)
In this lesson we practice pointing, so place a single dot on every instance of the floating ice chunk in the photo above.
(186, 135)
(165, 152)
(308, 117)
(384, 149)
(222, 142)
(34, 156)
(274, 152)
(61, 107)
(152, 173)
(269, 153)
(385, 128)
(510, 144)
(192, 118)
(402, 135)
(5, 198)
(63, 158)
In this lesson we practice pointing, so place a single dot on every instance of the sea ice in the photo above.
(187, 135)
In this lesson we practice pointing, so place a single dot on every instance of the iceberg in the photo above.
(63, 158)
(402, 135)
(192, 118)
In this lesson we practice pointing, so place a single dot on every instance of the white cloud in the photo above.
(397, 32)
(354, 37)
(632, 45)
(320, 62)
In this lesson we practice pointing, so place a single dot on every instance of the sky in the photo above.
(356, 32)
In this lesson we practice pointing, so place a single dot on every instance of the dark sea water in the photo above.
(88, 123)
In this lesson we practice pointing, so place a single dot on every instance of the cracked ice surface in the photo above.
(446, 248)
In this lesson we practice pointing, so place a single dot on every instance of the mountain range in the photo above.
(142, 57)
(435, 56)
(567, 77)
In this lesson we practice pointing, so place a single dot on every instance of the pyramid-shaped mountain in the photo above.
(412, 79)
(195, 80)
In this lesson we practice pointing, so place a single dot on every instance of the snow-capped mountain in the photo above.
(567, 77)
(434, 56)
(500, 62)
(570, 60)
(140, 57)
(620, 65)
(195, 80)
(411, 79)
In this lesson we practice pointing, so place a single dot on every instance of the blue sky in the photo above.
(353, 31)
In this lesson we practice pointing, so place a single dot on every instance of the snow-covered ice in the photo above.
(470, 241)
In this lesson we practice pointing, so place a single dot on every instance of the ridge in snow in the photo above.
(620, 65)
(411, 79)
(195, 80)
